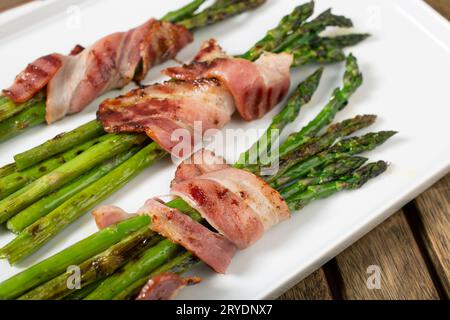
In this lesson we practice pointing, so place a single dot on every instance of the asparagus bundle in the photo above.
(14, 119)
(38, 227)
(338, 173)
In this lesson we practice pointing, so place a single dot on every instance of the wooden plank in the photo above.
(442, 6)
(8, 4)
(434, 228)
(314, 287)
(391, 248)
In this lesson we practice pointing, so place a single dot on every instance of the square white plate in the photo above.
(407, 75)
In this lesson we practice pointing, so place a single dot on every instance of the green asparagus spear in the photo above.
(347, 40)
(310, 30)
(40, 232)
(352, 81)
(69, 171)
(275, 36)
(341, 149)
(290, 112)
(208, 17)
(178, 265)
(8, 108)
(354, 181)
(49, 203)
(135, 270)
(323, 175)
(183, 13)
(325, 50)
(7, 170)
(73, 255)
(83, 292)
(19, 179)
(98, 267)
(28, 118)
(58, 144)
(317, 145)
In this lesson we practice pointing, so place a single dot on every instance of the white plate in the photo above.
(407, 74)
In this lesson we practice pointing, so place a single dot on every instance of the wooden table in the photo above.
(411, 249)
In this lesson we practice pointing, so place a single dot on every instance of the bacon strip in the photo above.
(108, 215)
(34, 78)
(214, 249)
(203, 161)
(73, 81)
(161, 109)
(238, 204)
(256, 87)
(165, 286)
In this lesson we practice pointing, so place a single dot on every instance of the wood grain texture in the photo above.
(392, 248)
(8, 4)
(442, 6)
(314, 287)
(433, 210)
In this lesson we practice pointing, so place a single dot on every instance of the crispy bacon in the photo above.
(235, 202)
(73, 81)
(256, 87)
(214, 249)
(34, 78)
(165, 286)
(108, 215)
(161, 109)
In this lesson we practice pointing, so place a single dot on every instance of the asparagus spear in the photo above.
(7, 170)
(309, 30)
(354, 181)
(352, 81)
(49, 203)
(317, 145)
(50, 182)
(325, 50)
(73, 255)
(19, 179)
(58, 144)
(323, 175)
(290, 112)
(341, 149)
(83, 292)
(275, 36)
(28, 118)
(179, 265)
(208, 17)
(98, 267)
(8, 108)
(135, 270)
(40, 232)
(183, 13)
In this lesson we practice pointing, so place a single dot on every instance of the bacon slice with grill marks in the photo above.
(238, 204)
(256, 86)
(73, 81)
(214, 249)
(161, 109)
(165, 286)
